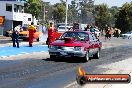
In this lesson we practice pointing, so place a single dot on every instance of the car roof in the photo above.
(80, 31)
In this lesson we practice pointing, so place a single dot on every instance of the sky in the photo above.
(110, 3)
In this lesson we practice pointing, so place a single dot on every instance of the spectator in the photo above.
(92, 30)
(87, 28)
(42, 29)
(116, 33)
(15, 36)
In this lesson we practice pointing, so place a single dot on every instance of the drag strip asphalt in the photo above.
(46, 73)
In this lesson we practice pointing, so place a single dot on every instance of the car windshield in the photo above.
(79, 36)
(24, 28)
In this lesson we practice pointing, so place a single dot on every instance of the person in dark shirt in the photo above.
(15, 36)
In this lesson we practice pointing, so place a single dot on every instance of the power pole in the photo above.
(66, 15)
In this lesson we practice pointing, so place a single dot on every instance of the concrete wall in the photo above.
(14, 15)
(7, 26)
(8, 15)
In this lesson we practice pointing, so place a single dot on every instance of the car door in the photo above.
(91, 43)
(95, 43)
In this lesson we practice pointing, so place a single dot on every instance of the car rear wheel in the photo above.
(86, 58)
(52, 57)
(97, 55)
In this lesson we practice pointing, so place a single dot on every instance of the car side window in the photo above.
(82, 36)
(90, 37)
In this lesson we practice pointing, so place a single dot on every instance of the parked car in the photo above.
(62, 29)
(25, 34)
(76, 43)
(61, 24)
(127, 35)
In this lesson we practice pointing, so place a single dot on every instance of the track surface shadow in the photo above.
(68, 59)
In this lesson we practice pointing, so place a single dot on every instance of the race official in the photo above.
(32, 30)
(51, 31)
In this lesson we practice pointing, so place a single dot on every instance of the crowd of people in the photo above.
(32, 30)
(109, 32)
(15, 35)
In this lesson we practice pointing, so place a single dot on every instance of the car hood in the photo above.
(68, 43)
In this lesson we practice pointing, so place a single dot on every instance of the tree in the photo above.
(102, 16)
(33, 7)
(46, 12)
(72, 12)
(59, 12)
(113, 10)
(86, 9)
(124, 18)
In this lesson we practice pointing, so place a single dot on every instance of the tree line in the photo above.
(82, 11)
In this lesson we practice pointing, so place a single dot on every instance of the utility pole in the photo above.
(66, 15)
(44, 14)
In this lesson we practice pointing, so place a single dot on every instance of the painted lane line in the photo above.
(11, 55)
(43, 45)
(2, 46)
(43, 51)
(3, 56)
(71, 84)
(23, 52)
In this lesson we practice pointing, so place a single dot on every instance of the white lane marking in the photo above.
(23, 52)
(71, 84)
(3, 56)
(20, 54)
(2, 46)
(43, 51)
(43, 45)
(12, 55)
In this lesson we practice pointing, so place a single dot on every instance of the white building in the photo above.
(13, 10)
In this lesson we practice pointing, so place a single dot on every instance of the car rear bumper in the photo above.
(67, 53)
(23, 37)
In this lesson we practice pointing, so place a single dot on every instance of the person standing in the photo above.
(106, 34)
(51, 31)
(32, 30)
(87, 28)
(116, 33)
(15, 36)
(92, 30)
(42, 29)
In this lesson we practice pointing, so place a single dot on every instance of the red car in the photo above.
(76, 43)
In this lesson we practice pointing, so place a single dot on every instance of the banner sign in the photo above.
(2, 19)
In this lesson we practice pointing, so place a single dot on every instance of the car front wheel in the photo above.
(52, 57)
(86, 58)
(97, 55)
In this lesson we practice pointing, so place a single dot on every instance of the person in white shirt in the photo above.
(42, 38)
(15, 36)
